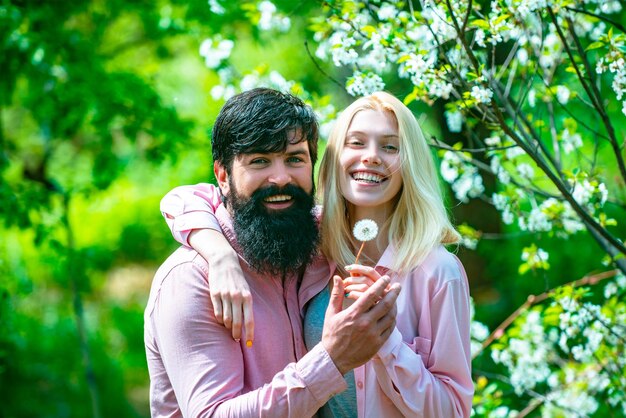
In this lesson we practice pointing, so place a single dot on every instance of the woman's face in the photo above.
(370, 161)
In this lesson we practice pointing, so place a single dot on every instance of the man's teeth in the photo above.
(369, 177)
(278, 198)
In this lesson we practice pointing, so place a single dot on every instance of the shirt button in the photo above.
(359, 385)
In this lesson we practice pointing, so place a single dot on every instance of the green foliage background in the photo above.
(104, 107)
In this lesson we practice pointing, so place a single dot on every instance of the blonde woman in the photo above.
(378, 166)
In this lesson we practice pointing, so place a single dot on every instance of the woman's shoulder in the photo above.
(440, 266)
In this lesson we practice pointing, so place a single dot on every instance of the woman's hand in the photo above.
(361, 278)
(230, 293)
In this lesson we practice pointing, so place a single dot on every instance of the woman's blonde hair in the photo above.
(419, 221)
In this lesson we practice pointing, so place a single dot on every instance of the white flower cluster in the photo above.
(362, 84)
(270, 20)
(478, 331)
(570, 141)
(576, 358)
(229, 84)
(215, 51)
(463, 177)
(424, 48)
(454, 120)
(534, 258)
(216, 7)
(527, 356)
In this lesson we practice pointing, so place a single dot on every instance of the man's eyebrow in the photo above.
(297, 152)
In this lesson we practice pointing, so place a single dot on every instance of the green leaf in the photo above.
(595, 45)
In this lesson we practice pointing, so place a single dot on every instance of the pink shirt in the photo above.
(198, 370)
(424, 368)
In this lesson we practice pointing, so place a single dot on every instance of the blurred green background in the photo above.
(104, 107)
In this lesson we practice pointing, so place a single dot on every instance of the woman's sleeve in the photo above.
(186, 208)
(432, 378)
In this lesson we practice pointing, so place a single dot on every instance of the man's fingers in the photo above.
(371, 295)
(388, 302)
(248, 321)
(217, 308)
(336, 297)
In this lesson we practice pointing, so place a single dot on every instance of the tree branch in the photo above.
(603, 18)
(535, 299)
(306, 47)
(601, 110)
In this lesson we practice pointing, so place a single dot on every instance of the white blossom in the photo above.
(449, 167)
(525, 171)
(222, 92)
(493, 141)
(481, 94)
(216, 7)
(562, 94)
(362, 84)
(469, 185)
(582, 192)
(387, 11)
(570, 141)
(270, 20)
(454, 120)
(215, 51)
(513, 152)
(532, 98)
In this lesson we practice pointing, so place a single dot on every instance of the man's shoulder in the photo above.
(183, 258)
(184, 262)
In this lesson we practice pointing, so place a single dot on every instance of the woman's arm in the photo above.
(189, 211)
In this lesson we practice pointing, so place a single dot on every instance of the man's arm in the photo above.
(205, 366)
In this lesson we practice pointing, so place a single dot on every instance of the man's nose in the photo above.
(280, 175)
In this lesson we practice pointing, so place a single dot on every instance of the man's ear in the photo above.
(222, 178)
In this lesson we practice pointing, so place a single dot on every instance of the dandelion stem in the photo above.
(359, 253)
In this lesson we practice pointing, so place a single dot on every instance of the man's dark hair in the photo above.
(261, 120)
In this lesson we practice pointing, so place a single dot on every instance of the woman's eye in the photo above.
(390, 148)
(354, 142)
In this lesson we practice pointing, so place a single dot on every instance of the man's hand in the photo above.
(352, 337)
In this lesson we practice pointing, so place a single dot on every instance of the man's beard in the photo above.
(275, 242)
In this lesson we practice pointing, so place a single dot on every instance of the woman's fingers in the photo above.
(217, 308)
(248, 320)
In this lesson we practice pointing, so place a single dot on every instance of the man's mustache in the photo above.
(292, 190)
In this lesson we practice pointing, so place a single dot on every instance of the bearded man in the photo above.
(264, 149)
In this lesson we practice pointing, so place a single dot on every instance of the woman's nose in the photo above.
(371, 157)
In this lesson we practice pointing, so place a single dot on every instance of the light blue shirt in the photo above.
(342, 405)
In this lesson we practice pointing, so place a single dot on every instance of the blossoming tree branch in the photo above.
(534, 99)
